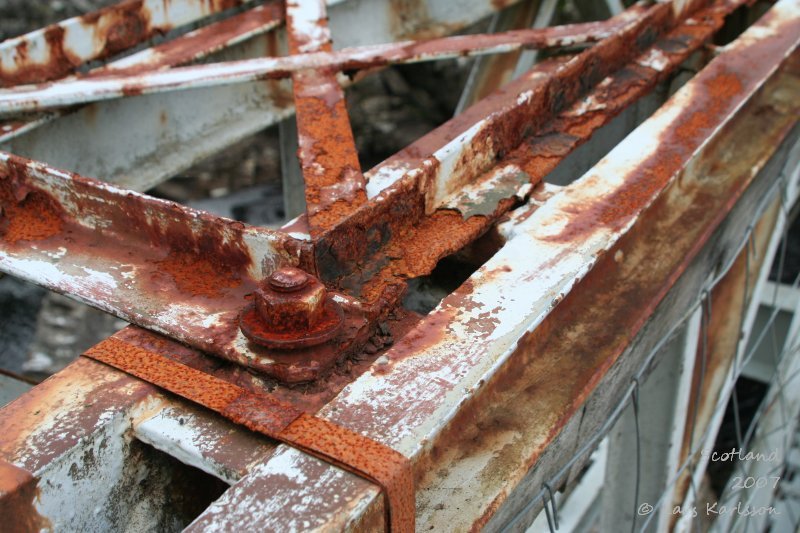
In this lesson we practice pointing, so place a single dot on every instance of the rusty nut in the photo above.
(290, 300)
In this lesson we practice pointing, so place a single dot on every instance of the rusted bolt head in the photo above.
(292, 310)
(288, 279)
(290, 300)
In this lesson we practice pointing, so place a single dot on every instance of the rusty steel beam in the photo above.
(690, 174)
(199, 43)
(334, 184)
(59, 49)
(410, 191)
(534, 341)
(23, 99)
(91, 404)
(207, 318)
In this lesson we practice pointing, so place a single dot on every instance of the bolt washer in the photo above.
(256, 330)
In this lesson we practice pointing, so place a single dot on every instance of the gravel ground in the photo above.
(19, 306)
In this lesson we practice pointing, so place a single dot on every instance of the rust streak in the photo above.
(334, 185)
(203, 41)
(18, 492)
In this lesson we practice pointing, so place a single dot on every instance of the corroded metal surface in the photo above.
(17, 494)
(200, 308)
(58, 49)
(334, 185)
(456, 386)
(660, 190)
(402, 232)
(264, 414)
(26, 99)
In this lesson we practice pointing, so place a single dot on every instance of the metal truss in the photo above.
(487, 395)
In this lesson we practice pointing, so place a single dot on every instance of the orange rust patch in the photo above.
(18, 491)
(432, 331)
(702, 117)
(268, 416)
(653, 174)
(415, 250)
(334, 185)
(722, 88)
(35, 217)
(166, 373)
(186, 48)
(58, 63)
(328, 156)
(199, 275)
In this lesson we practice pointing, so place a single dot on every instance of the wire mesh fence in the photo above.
(755, 490)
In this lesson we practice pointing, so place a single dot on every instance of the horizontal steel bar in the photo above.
(59, 49)
(30, 99)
